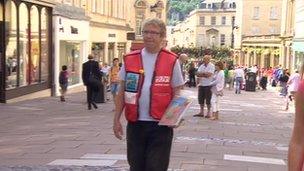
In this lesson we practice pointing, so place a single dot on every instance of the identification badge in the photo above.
(130, 98)
(132, 82)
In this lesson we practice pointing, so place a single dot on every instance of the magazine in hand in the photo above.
(175, 111)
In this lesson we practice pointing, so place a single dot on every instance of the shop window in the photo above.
(24, 45)
(276, 60)
(98, 51)
(35, 49)
(70, 56)
(44, 45)
(299, 60)
(1, 43)
(11, 60)
(121, 48)
(111, 51)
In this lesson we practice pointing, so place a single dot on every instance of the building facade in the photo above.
(145, 9)
(298, 41)
(71, 41)
(257, 33)
(287, 34)
(25, 47)
(209, 26)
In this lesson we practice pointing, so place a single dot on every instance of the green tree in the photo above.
(182, 8)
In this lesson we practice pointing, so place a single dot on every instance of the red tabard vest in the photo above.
(161, 89)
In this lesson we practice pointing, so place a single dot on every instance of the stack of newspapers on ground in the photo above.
(175, 111)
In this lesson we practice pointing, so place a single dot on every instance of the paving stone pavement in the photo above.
(251, 135)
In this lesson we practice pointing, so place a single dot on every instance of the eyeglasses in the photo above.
(153, 33)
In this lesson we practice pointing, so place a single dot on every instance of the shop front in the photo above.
(25, 48)
(71, 35)
(107, 42)
(298, 48)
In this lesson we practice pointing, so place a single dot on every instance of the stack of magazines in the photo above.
(175, 111)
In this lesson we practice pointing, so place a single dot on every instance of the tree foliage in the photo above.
(222, 54)
(182, 8)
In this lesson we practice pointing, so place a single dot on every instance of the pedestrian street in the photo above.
(252, 134)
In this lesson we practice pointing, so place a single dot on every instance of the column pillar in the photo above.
(271, 58)
(106, 52)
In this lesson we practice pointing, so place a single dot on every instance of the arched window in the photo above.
(44, 45)
(35, 47)
(11, 60)
(24, 45)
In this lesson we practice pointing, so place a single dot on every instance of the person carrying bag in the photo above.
(91, 77)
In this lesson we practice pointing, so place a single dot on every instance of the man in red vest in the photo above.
(150, 78)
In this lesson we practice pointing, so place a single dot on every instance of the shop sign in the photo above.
(131, 36)
(112, 35)
(74, 30)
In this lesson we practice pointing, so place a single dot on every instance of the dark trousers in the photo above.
(148, 146)
(204, 95)
(192, 80)
(91, 93)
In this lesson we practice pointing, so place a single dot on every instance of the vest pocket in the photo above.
(130, 98)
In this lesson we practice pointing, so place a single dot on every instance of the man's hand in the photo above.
(182, 122)
(117, 129)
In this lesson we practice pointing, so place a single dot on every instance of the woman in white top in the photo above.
(293, 84)
(217, 89)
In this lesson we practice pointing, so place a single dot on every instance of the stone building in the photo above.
(209, 26)
(258, 33)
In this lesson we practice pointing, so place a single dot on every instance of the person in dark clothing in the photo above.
(263, 81)
(91, 68)
(283, 82)
(63, 81)
(192, 72)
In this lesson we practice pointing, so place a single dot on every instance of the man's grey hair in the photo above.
(156, 22)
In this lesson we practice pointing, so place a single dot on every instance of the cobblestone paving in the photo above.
(34, 133)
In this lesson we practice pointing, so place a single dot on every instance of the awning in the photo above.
(298, 46)
(137, 46)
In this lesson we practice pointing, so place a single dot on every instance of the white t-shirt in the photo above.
(149, 60)
(239, 72)
(218, 82)
(294, 81)
(209, 68)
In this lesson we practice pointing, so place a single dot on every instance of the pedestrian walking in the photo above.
(205, 73)
(292, 86)
(91, 77)
(114, 78)
(283, 83)
(217, 89)
(231, 77)
(150, 78)
(296, 145)
(263, 81)
(183, 58)
(191, 73)
(63, 82)
(239, 79)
